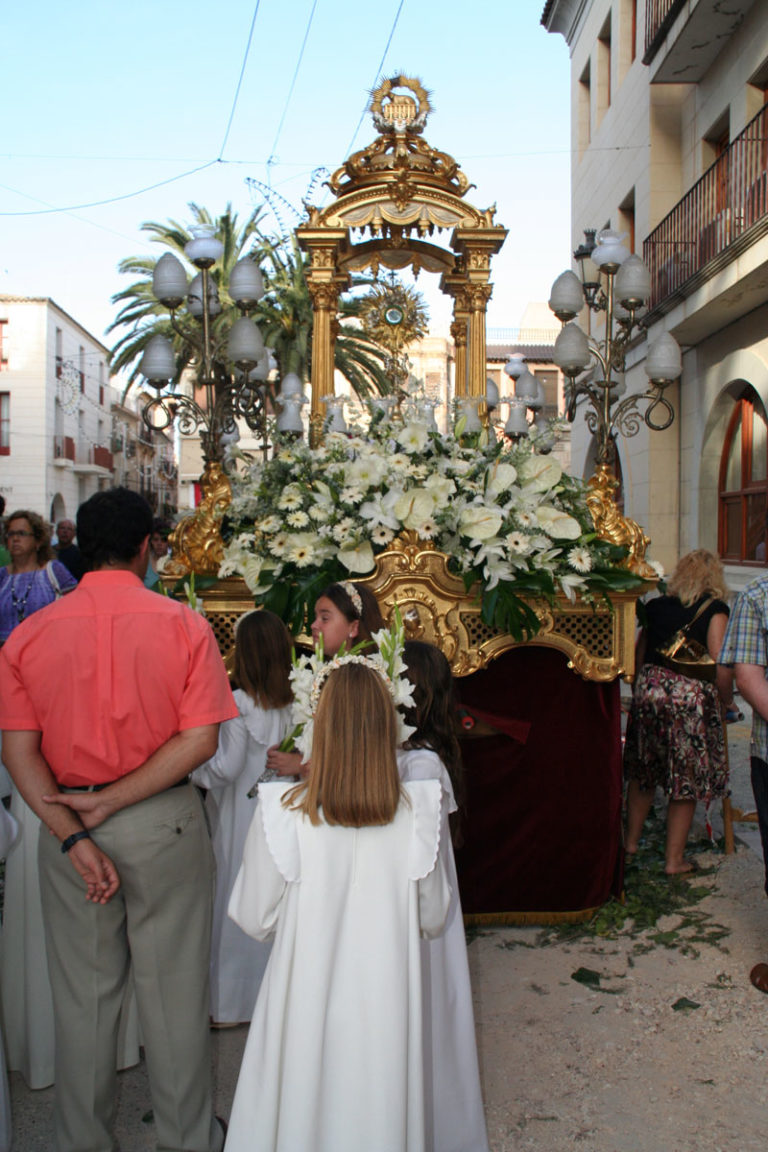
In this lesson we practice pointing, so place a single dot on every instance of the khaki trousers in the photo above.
(160, 922)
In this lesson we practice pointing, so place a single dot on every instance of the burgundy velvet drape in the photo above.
(543, 826)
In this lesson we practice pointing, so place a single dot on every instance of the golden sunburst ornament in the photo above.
(394, 111)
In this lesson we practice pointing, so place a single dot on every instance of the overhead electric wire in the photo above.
(240, 80)
(270, 159)
(112, 199)
(378, 73)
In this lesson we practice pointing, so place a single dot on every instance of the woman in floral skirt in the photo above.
(675, 737)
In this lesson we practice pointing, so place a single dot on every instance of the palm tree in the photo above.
(284, 315)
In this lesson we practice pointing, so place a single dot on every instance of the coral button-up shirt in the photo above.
(108, 674)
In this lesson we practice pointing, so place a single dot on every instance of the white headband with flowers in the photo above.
(354, 596)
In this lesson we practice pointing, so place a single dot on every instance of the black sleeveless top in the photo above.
(665, 616)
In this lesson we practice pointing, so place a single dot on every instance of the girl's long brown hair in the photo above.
(263, 659)
(353, 778)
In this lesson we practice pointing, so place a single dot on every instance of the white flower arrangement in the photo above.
(507, 517)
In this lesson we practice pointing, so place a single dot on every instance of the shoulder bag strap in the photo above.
(55, 583)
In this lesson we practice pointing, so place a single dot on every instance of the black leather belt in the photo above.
(101, 787)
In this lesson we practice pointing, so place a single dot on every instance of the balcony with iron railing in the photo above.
(683, 38)
(724, 212)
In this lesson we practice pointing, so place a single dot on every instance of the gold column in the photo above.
(479, 295)
(459, 335)
(324, 300)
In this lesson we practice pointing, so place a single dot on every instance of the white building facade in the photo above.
(55, 409)
(669, 130)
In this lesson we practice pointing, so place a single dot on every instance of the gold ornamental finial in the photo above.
(393, 111)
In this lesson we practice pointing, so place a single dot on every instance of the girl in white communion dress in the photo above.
(345, 867)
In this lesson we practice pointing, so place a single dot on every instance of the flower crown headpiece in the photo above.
(354, 596)
(309, 674)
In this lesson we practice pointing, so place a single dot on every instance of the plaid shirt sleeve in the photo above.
(746, 638)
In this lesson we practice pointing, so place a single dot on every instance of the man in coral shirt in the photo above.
(109, 698)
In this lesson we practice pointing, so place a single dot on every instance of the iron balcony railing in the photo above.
(729, 199)
(660, 15)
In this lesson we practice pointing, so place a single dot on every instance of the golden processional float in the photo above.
(542, 715)
(393, 201)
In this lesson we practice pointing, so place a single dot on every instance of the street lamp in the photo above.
(619, 284)
(232, 370)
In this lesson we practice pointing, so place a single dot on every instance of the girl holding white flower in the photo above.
(345, 869)
(346, 615)
(263, 696)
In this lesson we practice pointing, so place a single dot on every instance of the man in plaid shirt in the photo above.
(745, 647)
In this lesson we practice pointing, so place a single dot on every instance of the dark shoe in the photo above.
(759, 977)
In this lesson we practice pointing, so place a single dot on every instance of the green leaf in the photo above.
(586, 976)
(685, 1005)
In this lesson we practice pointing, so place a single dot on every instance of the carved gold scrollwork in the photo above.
(196, 541)
(610, 525)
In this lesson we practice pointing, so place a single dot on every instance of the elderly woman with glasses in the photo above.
(32, 578)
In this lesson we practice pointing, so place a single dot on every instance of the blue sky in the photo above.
(103, 100)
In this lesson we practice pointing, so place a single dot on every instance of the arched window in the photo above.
(743, 486)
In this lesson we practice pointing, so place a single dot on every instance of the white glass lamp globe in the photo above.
(664, 361)
(571, 351)
(517, 423)
(633, 282)
(526, 386)
(246, 285)
(515, 366)
(195, 297)
(566, 298)
(203, 249)
(158, 363)
(169, 281)
(491, 392)
(245, 345)
(289, 416)
(291, 385)
(609, 252)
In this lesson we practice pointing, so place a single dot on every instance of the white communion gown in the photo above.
(333, 1061)
(237, 961)
(455, 1115)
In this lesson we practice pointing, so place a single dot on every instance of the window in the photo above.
(59, 353)
(743, 487)
(5, 423)
(3, 354)
(548, 378)
(584, 111)
(81, 367)
(627, 219)
(604, 70)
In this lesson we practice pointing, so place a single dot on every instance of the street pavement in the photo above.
(32, 1110)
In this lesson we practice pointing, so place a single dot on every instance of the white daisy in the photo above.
(517, 542)
(580, 559)
(427, 529)
(381, 535)
(297, 519)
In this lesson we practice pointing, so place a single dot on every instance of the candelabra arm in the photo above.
(160, 412)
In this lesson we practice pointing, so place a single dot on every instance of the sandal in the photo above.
(759, 977)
